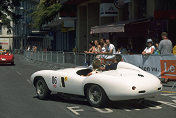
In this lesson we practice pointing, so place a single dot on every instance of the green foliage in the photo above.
(7, 13)
(44, 12)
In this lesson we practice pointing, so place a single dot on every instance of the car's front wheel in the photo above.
(42, 89)
(12, 63)
(96, 96)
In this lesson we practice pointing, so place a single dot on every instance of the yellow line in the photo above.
(168, 91)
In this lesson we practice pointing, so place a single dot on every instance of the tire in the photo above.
(12, 63)
(42, 89)
(96, 96)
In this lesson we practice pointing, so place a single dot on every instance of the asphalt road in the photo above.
(18, 99)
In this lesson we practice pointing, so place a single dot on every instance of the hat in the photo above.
(149, 40)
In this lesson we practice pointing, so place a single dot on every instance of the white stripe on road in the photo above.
(124, 109)
(29, 81)
(76, 109)
(172, 104)
(106, 110)
(18, 73)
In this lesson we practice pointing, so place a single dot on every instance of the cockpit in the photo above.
(84, 72)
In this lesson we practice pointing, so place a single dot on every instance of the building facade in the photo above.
(19, 36)
(23, 28)
(6, 37)
(128, 24)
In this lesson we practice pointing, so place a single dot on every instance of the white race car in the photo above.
(125, 83)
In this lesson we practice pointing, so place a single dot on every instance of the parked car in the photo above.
(125, 83)
(6, 57)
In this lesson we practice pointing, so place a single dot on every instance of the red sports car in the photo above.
(6, 57)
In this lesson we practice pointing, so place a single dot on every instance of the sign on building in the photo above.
(108, 9)
(69, 23)
(120, 3)
(4, 43)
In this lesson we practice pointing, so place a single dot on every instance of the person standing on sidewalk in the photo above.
(165, 45)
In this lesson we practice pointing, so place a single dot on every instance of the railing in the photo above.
(79, 59)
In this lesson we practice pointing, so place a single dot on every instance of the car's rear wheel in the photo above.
(96, 96)
(42, 89)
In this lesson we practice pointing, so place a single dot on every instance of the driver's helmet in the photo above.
(96, 63)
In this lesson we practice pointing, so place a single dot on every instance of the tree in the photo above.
(7, 11)
(45, 11)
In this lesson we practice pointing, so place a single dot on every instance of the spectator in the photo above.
(103, 45)
(156, 52)
(91, 50)
(174, 50)
(92, 47)
(150, 48)
(29, 47)
(112, 66)
(118, 51)
(123, 50)
(165, 45)
(97, 46)
(110, 50)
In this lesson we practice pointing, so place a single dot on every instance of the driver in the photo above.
(98, 67)
(112, 66)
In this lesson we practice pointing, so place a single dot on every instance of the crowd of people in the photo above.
(164, 47)
(104, 47)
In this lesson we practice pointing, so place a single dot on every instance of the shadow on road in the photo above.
(7, 64)
(128, 104)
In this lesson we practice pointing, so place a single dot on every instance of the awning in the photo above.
(121, 27)
(38, 37)
(58, 21)
(108, 28)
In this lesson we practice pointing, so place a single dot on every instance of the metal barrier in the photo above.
(79, 59)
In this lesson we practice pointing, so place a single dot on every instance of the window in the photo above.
(124, 12)
(140, 9)
(165, 5)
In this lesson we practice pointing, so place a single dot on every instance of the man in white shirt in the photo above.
(110, 50)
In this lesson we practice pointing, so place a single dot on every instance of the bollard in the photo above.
(42, 55)
(85, 60)
(38, 56)
(46, 56)
(63, 57)
(75, 58)
(57, 58)
(51, 57)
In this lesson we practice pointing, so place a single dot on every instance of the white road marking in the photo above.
(124, 109)
(137, 109)
(153, 106)
(75, 109)
(127, 110)
(29, 81)
(168, 103)
(105, 110)
(18, 73)
(167, 94)
(174, 101)
(174, 97)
